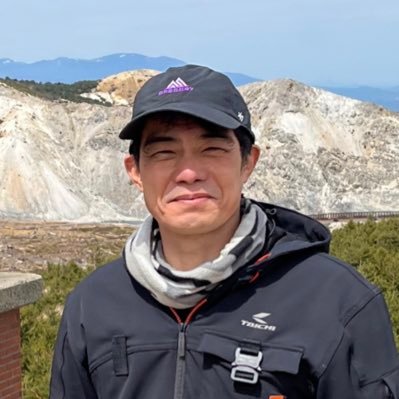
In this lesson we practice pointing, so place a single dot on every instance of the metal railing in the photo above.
(355, 215)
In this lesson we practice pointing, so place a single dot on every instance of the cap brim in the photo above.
(200, 111)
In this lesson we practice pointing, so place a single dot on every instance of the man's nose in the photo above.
(189, 170)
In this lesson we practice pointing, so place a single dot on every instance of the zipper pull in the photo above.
(181, 343)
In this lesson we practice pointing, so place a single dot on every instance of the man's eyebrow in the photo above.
(217, 134)
(164, 138)
(157, 138)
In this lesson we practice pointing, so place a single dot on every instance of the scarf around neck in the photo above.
(184, 289)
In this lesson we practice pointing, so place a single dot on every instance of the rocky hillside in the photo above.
(120, 89)
(321, 153)
(61, 160)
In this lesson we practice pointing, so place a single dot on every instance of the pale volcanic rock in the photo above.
(320, 153)
(323, 152)
(61, 160)
(121, 89)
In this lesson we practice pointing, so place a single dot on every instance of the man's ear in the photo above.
(250, 163)
(133, 171)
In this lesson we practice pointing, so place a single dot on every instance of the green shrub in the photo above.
(373, 248)
(39, 326)
(55, 91)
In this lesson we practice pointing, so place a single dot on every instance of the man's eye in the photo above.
(163, 153)
(215, 149)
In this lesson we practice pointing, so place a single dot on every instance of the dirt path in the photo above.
(28, 246)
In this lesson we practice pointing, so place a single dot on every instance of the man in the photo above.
(216, 295)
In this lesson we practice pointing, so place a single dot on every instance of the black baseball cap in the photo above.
(194, 90)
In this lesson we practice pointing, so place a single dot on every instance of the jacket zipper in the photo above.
(181, 350)
(181, 340)
(180, 363)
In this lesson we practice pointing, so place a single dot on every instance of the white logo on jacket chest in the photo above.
(260, 324)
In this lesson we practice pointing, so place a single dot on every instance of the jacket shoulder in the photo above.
(108, 276)
(342, 284)
(349, 272)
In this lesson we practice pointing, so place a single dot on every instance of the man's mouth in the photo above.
(192, 198)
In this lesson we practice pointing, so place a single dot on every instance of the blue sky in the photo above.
(320, 42)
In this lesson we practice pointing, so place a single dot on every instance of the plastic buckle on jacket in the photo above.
(246, 366)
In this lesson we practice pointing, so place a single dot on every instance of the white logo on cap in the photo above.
(179, 82)
(240, 116)
(176, 86)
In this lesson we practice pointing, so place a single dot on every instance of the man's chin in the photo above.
(193, 225)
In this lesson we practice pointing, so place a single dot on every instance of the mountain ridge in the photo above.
(387, 97)
(70, 70)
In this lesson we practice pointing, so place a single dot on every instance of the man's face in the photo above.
(191, 178)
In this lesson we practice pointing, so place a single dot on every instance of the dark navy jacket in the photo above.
(296, 324)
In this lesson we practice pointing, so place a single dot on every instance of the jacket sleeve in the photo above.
(70, 378)
(366, 363)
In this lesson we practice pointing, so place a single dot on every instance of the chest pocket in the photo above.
(248, 369)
